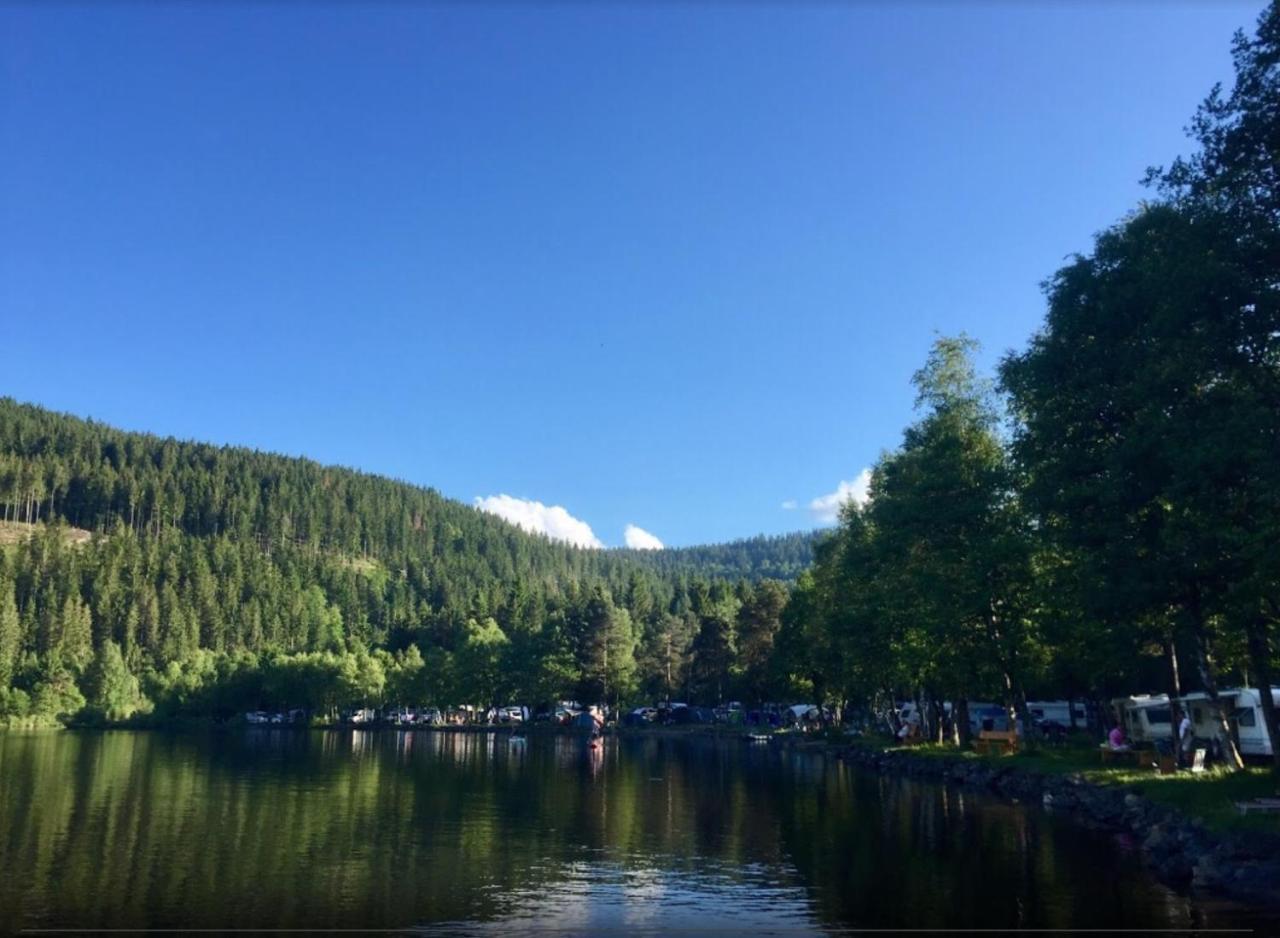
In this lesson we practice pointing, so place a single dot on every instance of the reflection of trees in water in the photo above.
(892, 852)
(351, 828)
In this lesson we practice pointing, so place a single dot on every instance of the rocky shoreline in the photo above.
(1182, 853)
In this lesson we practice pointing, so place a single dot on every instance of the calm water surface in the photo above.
(470, 834)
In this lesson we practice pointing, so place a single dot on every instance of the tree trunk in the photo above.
(1175, 688)
(1209, 677)
(960, 709)
(1260, 656)
(1024, 715)
(935, 720)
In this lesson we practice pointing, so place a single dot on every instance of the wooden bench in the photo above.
(997, 741)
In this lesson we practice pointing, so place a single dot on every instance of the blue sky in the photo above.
(668, 265)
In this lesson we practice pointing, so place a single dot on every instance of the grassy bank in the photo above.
(1210, 796)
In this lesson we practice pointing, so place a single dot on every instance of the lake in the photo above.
(469, 833)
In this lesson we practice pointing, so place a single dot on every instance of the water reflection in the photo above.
(472, 833)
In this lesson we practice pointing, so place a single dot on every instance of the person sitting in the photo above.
(1116, 740)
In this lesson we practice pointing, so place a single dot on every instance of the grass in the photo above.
(15, 532)
(1210, 796)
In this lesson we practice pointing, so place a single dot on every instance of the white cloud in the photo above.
(790, 505)
(640, 539)
(826, 508)
(552, 520)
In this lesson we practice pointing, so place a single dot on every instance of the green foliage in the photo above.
(10, 632)
(15, 704)
(55, 695)
(112, 692)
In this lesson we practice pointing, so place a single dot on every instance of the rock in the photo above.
(1209, 872)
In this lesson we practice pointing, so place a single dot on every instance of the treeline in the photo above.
(204, 627)
(1112, 502)
(765, 557)
(210, 573)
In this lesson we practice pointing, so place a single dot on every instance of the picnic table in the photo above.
(999, 741)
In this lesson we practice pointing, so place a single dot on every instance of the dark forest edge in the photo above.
(1090, 523)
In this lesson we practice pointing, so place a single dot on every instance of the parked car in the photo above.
(564, 716)
(257, 717)
(667, 712)
(689, 715)
(729, 713)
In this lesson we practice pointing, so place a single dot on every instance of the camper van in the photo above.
(982, 715)
(1146, 717)
(1243, 706)
(1056, 711)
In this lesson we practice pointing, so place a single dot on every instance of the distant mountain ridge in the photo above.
(778, 557)
(94, 476)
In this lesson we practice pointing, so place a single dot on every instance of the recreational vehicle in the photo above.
(1057, 711)
(1145, 718)
(1243, 706)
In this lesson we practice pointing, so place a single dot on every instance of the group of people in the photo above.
(1185, 739)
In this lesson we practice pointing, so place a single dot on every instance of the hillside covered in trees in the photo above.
(190, 562)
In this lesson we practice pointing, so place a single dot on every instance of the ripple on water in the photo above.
(594, 897)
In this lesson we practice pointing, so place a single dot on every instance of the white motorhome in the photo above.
(1145, 717)
(1057, 711)
(984, 715)
(1243, 706)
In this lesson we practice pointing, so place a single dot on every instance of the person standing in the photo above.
(1185, 740)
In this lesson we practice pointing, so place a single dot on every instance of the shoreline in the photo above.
(1181, 851)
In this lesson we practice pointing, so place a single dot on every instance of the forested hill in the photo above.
(54, 466)
(201, 550)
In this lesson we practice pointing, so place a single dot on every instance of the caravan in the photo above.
(1057, 711)
(1243, 706)
(1145, 717)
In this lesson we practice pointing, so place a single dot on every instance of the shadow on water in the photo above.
(472, 833)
